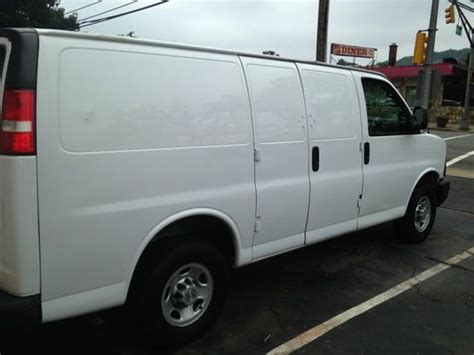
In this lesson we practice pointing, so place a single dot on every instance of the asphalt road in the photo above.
(275, 300)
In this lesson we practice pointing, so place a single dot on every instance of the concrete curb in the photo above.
(449, 129)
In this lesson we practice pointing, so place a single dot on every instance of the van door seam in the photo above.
(254, 142)
(309, 143)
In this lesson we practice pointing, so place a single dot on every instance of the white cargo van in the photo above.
(138, 172)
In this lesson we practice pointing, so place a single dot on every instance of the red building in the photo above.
(453, 82)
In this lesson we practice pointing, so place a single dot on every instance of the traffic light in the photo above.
(449, 14)
(420, 48)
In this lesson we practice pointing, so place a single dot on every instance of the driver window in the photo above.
(386, 113)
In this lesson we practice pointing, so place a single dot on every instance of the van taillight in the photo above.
(17, 135)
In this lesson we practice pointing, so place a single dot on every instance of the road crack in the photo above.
(277, 316)
(365, 268)
(419, 292)
(454, 266)
(457, 210)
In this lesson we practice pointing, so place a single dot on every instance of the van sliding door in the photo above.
(335, 136)
(281, 143)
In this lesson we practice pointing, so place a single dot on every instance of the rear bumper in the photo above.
(442, 191)
(19, 311)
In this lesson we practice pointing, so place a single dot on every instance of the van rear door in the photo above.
(19, 239)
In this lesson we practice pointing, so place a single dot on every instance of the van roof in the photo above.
(120, 39)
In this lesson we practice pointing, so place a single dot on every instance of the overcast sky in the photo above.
(287, 27)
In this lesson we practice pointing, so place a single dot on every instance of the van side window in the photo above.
(386, 112)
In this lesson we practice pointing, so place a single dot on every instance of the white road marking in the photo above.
(459, 158)
(456, 137)
(323, 328)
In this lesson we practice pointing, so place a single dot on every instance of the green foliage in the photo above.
(439, 56)
(345, 62)
(128, 34)
(35, 13)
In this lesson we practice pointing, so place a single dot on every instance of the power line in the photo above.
(110, 10)
(83, 7)
(103, 19)
(461, 5)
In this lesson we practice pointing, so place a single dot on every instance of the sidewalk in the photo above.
(450, 127)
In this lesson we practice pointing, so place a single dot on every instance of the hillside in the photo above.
(438, 56)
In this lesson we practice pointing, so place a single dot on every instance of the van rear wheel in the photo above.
(419, 218)
(181, 293)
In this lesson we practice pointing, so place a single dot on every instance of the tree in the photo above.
(344, 62)
(36, 13)
(128, 34)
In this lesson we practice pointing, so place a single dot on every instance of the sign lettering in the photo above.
(352, 51)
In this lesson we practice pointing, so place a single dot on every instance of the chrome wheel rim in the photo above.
(422, 214)
(187, 295)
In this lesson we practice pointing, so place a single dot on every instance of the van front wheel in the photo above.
(416, 225)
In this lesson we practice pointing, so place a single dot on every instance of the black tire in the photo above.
(149, 286)
(405, 227)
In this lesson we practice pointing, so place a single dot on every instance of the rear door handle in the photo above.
(315, 158)
(366, 153)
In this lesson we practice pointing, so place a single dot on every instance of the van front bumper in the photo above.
(19, 311)
(442, 191)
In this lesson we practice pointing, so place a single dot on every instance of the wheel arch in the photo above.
(428, 174)
(162, 231)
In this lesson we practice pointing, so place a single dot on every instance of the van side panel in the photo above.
(129, 135)
(148, 101)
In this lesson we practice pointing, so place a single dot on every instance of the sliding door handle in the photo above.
(366, 153)
(315, 158)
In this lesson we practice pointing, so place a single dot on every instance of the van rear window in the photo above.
(3, 53)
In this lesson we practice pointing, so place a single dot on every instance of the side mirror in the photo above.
(420, 116)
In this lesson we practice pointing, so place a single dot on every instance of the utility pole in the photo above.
(322, 36)
(466, 118)
(428, 65)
